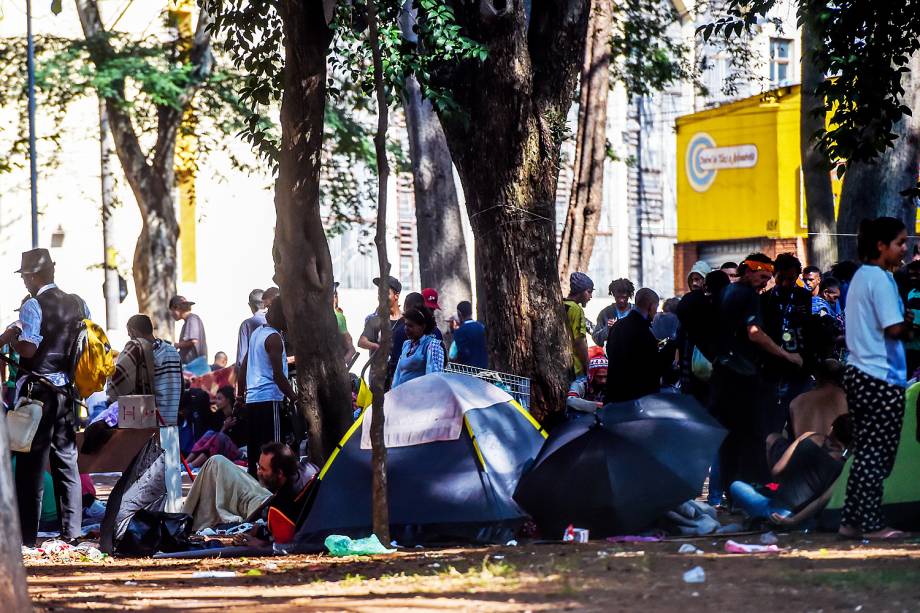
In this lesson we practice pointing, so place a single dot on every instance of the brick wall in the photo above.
(685, 256)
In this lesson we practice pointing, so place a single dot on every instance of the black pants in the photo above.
(264, 421)
(55, 445)
(738, 404)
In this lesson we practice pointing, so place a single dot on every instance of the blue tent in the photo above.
(456, 449)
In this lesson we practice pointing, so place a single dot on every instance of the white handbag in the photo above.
(22, 424)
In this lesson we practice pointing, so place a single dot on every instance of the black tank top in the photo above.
(810, 472)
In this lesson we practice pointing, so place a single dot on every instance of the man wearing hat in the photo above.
(581, 289)
(431, 299)
(192, 342)
(46, 340)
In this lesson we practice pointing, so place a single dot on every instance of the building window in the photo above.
(780, 60)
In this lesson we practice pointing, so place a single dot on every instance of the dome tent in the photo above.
(456, 448)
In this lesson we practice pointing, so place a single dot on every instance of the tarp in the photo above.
(141, 486)
(440, 491)
(901, 501)
(431, 408)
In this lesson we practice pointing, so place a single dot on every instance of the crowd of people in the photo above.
(246, 416)
(801, 366)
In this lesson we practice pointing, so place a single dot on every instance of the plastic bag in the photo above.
(150, 532)
(700, 366)
(339, 546)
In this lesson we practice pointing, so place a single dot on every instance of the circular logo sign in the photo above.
(699, 174)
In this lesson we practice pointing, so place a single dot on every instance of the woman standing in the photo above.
(876, 376)
(422, 352)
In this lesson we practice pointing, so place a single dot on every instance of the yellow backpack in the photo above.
(95, 360)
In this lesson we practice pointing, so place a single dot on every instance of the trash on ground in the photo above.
(339, 545)
(688, 548)
(214, 574)
(58, 551)
(630, 538)
(575, 535)
(769, 539)
(733, 547)
(511, 543)
(695, 575)
(269, 566)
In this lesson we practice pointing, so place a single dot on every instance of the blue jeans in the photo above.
(755, 504)
(715, 483)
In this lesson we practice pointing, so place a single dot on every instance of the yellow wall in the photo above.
(734, 201)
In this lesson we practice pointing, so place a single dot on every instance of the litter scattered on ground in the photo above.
(575, 535)
(695, 575)
(768, 539)
(232, 531)
(130, 582)
(688, 548)
(58, 551)
(339, 545)
(511, 543)
(498, 557)
(253, 572)
(733, 547)
(630, 538)
(269, 566)
(214, 574)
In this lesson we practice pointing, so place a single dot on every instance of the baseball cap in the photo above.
(431, 298)
(392, 282)
(177, 301)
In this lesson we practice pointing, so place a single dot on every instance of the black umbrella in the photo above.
(619, 472)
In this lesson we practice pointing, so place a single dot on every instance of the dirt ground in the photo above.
(812, 573)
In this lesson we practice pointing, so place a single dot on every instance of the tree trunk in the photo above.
(816, 169)
(506, 145)
(380, 510)
(110, 285)
(872, 190)
(14, 592)
(587, 196)
(151, 181)
(441, 245)
(303, 266)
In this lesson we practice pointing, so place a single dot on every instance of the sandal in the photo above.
(885, 534)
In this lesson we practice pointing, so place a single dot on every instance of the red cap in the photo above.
(431, 298)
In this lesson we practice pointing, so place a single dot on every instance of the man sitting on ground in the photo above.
(816, 410)
(806, 470)
(224, 493)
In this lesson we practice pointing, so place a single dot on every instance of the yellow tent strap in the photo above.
(335, 452)
(529, 417)
(469, 429)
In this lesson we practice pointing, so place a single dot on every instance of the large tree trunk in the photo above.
(819, 197)
(506, 145)
(441, 245)
(303, 266)
(14, 592)
(152, 180)
(587, 198)
(871, 190)
(380, 511)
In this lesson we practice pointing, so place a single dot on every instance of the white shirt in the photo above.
(873, 304)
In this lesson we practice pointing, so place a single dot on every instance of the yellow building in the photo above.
(739, 185)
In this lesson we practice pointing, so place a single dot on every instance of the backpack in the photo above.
(94, 359)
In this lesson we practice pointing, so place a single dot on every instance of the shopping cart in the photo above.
(518, 387)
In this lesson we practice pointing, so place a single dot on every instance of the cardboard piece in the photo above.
(137, 412)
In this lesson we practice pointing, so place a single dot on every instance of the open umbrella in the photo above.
(619, 472)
